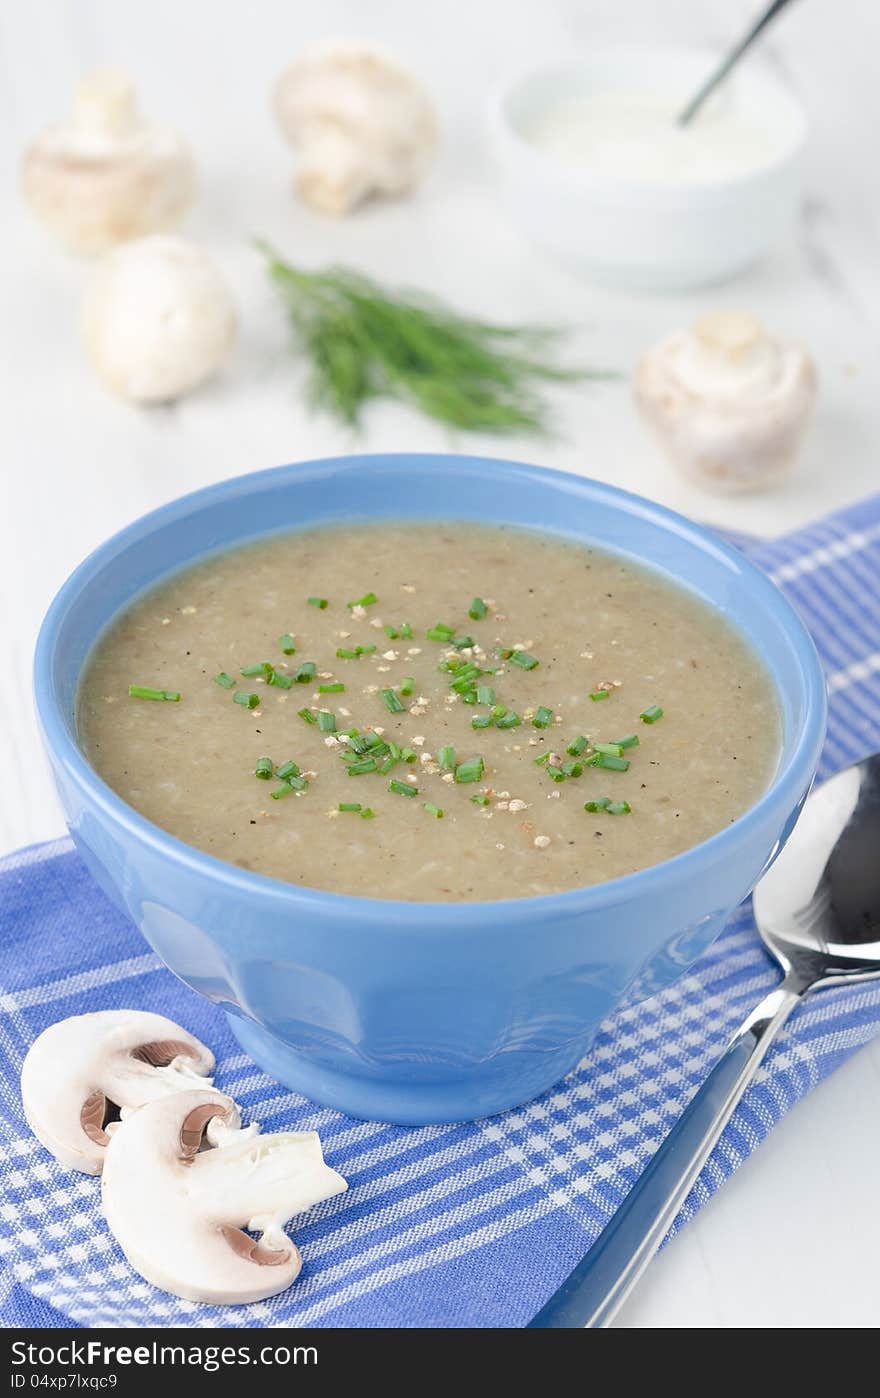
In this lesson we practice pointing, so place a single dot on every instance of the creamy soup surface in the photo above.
(596, 624)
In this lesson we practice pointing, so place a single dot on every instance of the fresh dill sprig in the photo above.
(364, 341)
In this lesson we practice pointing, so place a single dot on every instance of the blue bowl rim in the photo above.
(788, 785)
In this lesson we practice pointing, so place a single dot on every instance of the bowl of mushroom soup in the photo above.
(418, 765)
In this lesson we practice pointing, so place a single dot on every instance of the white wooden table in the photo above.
(76, 464)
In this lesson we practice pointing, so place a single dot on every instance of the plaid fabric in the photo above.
(437, 1221)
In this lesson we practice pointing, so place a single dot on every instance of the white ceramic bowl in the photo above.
(641, 233)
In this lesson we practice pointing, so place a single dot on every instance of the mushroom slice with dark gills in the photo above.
(87, 1071)
(182, 1181)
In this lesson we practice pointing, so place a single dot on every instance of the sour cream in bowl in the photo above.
(595, 167)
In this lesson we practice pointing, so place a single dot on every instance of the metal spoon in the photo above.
(818, 912)
(690, 111)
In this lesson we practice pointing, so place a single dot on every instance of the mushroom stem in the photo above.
(332, 176)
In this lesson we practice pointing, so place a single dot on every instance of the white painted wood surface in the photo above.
(792, 1240)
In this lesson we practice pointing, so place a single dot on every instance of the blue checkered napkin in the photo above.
(437, 1221)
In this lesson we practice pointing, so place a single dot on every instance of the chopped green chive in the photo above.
(597, 694)
(482, 721)
(319, 602)
(543, 717)
(367, 813)
(651, 714)
(389, 764)
(464, 684)
(478, 609)
(337, 688)
(366, 601)
(402, 788)
(609, 762)
(225, 681)
(440, 632)
(366, 764)
(576, 746)
(470, 771)
(286, 644)
(485, 694)
(508, 721)
(307, 715)
(353, 652)
(391, 701)
(326, 721)
(408, 754)
(446, 759)
(406, 631)
(481, 800)
(618, 808)
(263, 769)
(611, 749)
(462, 642)
(247, 701)
(545, 757)
(601, 803)
(631, 741)
(350, 806)
(294, 784)
(499, 711)
(391, 632)
(523, 659)
(287, 770)
(142, 691)
(306, 672)
(249, 671)
(572, 769)
(432, 810)
(407, 685)
(280, 681)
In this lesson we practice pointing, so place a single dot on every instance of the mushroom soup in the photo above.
(431, 712)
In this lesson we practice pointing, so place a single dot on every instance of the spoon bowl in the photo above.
(818, 906)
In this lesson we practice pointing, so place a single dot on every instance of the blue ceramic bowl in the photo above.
(420, 1012)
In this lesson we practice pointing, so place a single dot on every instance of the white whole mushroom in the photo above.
(728, 402)
(79, 1073)
(157, 318)
(106, 174)
(178, 1207)
(361, 125)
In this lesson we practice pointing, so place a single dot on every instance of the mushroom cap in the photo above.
(727, 401)
(106, 174)
(77, 1070)
(361, 123)
(157, 318)
(178, 1209)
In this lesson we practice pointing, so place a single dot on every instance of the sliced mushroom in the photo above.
(360, 123)
(106, 174)
(177, 1206)
(727, 401)
(82, 1073)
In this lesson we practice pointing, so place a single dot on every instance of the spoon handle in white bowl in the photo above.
(592, 1294)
